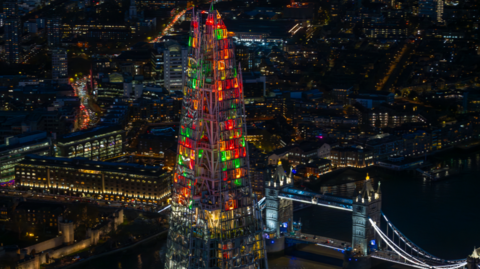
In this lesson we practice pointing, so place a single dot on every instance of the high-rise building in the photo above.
(54, 32)
(215, 222)
(15, 149)
(12, 31)
(59, 66)
(10, 8)
(431, 9)
(12, 39)
(170, 63)
(175, 65)
(132, 12)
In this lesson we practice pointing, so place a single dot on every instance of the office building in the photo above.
(12, 28)
(351, 157)
(12, 37)
(214, 221)
(170, 63)
(132, 12)
(15, 149)
(59, 66)
(10, 8)
(54, 32)
(123, 182)
(98, 143)
(431, 9)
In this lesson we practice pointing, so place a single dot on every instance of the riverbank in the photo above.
(354, 174)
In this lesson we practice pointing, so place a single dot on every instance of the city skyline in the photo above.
(239, 134)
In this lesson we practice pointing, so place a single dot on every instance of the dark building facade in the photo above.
(12, 32)
(54, 32)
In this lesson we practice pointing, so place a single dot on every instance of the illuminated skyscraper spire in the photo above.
(215, 222)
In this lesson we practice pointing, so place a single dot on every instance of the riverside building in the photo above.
(121, 182)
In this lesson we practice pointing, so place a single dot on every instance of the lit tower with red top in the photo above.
(214, 221)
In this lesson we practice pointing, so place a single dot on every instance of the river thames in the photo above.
(440, 217)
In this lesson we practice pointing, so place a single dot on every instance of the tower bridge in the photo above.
(369, 241)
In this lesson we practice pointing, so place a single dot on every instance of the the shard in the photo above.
(215, 222)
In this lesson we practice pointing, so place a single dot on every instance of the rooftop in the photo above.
(89, 133)
(84, 163)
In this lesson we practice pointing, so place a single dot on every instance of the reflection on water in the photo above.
(441, 217)
(344, 190)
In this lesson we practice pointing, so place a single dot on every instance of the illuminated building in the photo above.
(99, 143)
(54, 33)
(170, 63)
(122, 182)
(431, 9)
(15, 149)
(351, 157)
(214, 221)
(59, 66)
(10, 8)
(12, 32)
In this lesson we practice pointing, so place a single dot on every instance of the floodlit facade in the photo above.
(215, 222)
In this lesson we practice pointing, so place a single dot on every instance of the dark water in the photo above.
(441, 217)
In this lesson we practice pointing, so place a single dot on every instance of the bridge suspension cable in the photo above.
(416, 248)
(394, 247)
(416, 262)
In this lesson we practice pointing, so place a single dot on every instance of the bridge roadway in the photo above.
(308, 197)
(339, 245)
(319, 241)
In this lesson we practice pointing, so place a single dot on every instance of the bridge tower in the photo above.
(366, 205)
(473, 261)
(279, 212)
